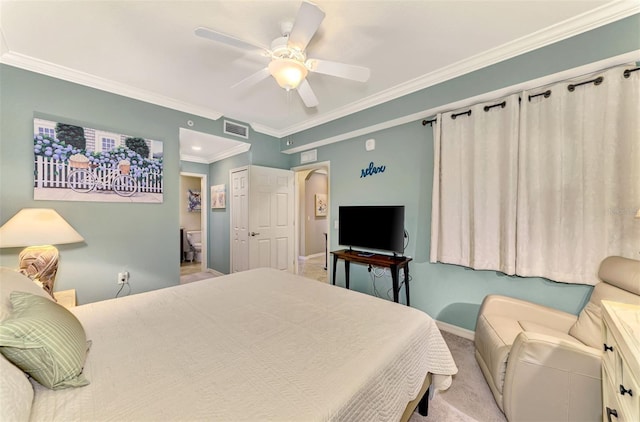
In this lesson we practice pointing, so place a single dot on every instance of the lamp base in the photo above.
(40, 263)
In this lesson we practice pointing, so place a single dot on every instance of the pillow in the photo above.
(16, 393)
(45, 340)
(11, 280)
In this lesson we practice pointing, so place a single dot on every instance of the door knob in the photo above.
(254, 234)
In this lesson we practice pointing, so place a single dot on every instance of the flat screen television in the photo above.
(379, 227)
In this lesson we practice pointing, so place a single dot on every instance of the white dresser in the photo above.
(620, 362)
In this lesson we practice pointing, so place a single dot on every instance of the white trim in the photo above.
(585, 22)
(214, 272)
(454, 329)
(487, 96)
(304, 258)
(67, 74)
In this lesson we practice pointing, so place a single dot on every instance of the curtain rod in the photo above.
(468, 113)
(546, 94)
(501, 105)
(596, 81)
(429, 122)
(627, 72)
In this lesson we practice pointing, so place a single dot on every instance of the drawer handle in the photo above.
(624, 391)
(611, 412)
(608, 348)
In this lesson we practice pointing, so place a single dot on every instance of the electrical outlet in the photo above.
(123, 277)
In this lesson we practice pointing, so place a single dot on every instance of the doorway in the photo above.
(312, 213)
(193, 218)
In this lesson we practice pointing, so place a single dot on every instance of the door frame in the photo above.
(204, 213)
(299, 219)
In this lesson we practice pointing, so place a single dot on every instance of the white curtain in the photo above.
(579, 176)
(474, 189)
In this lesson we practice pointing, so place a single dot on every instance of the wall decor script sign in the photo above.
(371, 170)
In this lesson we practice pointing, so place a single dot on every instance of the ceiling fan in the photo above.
(289, 64)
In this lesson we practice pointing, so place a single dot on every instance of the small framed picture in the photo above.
(218, 197)
(321, 205)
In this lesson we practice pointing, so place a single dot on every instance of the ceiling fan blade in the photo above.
(307, 95)
(253, 79)
(341, 70)
(305, 26)
(229, 40)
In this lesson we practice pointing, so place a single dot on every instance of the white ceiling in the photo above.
(148, 50)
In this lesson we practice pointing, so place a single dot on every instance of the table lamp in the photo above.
(38, 229)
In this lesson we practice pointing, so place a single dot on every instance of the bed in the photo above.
(256, 345)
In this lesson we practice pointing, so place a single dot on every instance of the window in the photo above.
(106, 141)
(45, 127)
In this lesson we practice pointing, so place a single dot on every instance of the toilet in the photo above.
(194, 237)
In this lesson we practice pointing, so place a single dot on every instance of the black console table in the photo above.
(394, 263)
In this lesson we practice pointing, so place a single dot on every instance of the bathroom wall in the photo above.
(189, 220)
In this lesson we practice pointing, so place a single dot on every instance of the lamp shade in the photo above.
(37, 226)
(288, 72)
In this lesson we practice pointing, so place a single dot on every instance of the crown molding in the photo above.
(239, 149)
(193, 159)
(595, 18)
(60, 72)
(633, 56)
(585, 22)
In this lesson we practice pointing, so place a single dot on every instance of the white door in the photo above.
(239, 220)
(271, 218)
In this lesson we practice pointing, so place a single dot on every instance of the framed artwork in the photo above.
(218, 197)
(80, 163)
(193, 201)
(321, 205)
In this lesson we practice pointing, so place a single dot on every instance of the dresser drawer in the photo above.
(627, 390)
(620, 362)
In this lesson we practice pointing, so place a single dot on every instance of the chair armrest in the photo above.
(521, 309)
(548, 378)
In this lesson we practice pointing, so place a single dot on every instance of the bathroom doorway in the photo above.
(193, 223)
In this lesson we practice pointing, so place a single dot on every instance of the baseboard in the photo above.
(454, 329)
(212, 271)
(304, 258)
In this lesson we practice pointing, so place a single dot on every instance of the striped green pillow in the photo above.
(45, 340)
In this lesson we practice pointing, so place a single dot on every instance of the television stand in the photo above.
(394, 263)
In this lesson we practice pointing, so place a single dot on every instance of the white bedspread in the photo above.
(257, 345)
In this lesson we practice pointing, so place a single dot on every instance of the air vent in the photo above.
(308, 156)
(236, 129)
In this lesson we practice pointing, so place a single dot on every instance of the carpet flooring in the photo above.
(469, 398)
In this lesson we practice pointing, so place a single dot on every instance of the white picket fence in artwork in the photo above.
(51, 173)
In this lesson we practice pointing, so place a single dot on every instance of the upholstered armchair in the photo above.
(542, 364)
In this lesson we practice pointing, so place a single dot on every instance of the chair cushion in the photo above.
(532, 327)
(621, 272)
(587, 328)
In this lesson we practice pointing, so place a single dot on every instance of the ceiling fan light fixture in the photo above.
(288, 73)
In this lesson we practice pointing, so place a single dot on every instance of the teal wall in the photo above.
(449, 293)
(143, 238)
(140, 238)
